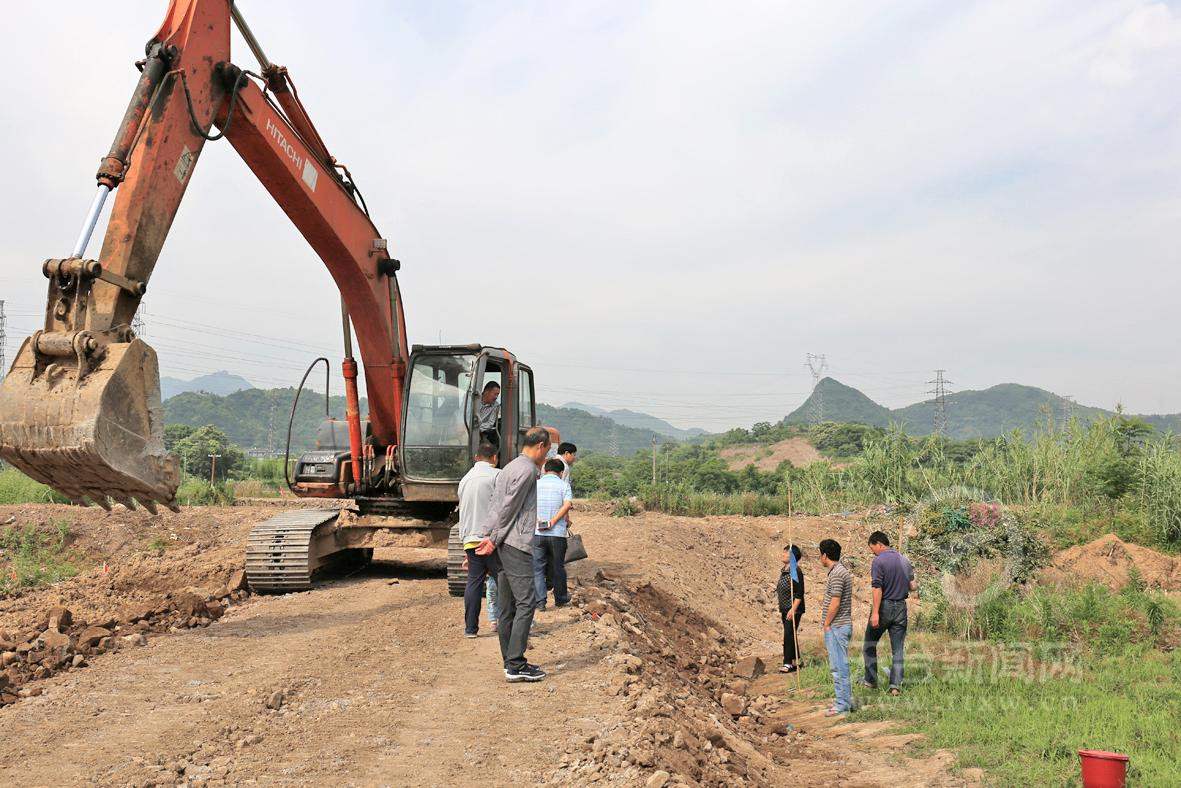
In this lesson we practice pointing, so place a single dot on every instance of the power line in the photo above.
(940, 391)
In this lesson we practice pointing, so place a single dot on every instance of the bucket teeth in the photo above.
(91, 437)
(150, 505)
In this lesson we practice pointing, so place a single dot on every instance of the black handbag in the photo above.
(575, 550)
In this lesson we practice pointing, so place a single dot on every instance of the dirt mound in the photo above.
(767, 458)
(1108, 559)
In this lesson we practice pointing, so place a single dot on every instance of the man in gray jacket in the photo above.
(511, 525)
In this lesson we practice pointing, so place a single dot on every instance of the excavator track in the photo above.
(283, 553)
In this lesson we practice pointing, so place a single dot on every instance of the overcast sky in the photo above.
(704, 191)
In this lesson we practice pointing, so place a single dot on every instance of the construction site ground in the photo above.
(368, 679)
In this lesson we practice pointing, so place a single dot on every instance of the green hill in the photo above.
(257, 418)
(841, 403)
(970, 414)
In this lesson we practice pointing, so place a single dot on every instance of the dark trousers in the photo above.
(549, 560)
(791, 651)
(479, 567)
(515, 600)
(891, 618)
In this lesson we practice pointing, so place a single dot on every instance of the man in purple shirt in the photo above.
(892, 579)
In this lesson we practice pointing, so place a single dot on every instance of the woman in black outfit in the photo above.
(791, 607)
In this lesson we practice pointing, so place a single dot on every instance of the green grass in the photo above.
(1019, 683)
(1028, 732)
(15, 487)
(197, 492)
(31, 557)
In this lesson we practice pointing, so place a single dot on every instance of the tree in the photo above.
(194, 452)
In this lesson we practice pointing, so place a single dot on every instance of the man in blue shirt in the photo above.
(892, 579)
(554, 500)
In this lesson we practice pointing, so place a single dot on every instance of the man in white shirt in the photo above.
(475, 502)
(567, 453)
(488, 412)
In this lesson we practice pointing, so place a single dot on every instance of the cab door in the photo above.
(526, 402)
(491, 367)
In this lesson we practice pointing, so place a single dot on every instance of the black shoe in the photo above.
(471, 634)
(527, 673)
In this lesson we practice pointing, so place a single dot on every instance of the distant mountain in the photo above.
(593, 410)
(643, 421)
(597, 434)
(970, 414)
(215, 383)
(841, 403)
(993, 411)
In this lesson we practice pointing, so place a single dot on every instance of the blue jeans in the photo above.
(836, 640)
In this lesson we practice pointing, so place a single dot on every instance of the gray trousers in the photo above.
(515, 600)
(892, 619)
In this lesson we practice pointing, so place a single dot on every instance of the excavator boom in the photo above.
(80, 410)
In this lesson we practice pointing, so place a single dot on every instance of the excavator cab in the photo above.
(440, 424)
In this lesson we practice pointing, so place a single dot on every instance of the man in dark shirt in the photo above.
(512, 522)
(892, 578)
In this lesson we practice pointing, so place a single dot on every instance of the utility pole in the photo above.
(212, 467)
(653, 460)
(940, 391)
(816, 364)
(3, 341)
(1067, 409)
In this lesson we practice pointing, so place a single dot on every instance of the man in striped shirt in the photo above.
(554, 500)
(838, 624)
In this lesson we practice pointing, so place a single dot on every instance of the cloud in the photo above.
(1147, 28)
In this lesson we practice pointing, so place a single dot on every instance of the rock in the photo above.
(137, 639)
(78, 661)
(216, 609)
(740, 687)
(237, 581)
(58, 618)
(92, 636)
(189, 605)
(7, 658)
(276, 700)
(658, 779)
(735, 705)
(53, 640)
(750, 668)
(631, 663)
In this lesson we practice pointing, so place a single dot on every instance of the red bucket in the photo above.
(1104, 769)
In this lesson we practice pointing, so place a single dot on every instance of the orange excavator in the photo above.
(80, 409)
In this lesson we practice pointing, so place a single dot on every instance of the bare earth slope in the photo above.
(368, 680)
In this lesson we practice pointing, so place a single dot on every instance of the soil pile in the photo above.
(1108, 560)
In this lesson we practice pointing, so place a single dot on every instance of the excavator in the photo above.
(80, 409)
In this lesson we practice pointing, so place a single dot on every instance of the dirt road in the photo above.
(368, 680)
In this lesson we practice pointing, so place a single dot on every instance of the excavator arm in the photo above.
(80, 410)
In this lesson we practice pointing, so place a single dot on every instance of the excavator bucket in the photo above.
(90, 428)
